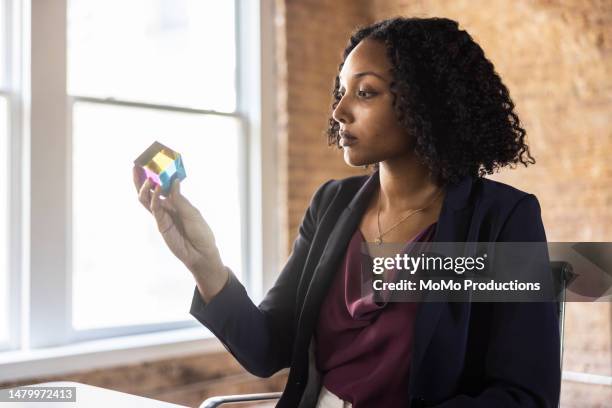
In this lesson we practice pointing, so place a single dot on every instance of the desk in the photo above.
(88, 396)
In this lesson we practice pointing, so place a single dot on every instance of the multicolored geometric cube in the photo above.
(161, 165)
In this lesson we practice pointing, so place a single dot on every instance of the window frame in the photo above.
(15, 92)
(41, 301)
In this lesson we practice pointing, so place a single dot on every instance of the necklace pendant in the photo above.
(379, 240)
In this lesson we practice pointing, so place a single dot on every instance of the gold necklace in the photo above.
(379, 240)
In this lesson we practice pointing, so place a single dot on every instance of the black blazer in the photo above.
(465, 354)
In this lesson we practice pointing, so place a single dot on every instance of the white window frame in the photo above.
(16, 93)
(42, 201)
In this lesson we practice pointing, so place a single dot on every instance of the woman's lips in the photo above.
(346, 139)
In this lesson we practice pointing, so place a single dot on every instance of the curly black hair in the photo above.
(449, 97)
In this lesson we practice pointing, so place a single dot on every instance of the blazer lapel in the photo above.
(332, 254)
(453, 225)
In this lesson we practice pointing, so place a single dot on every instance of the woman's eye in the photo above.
(361, 94)
(366, 94)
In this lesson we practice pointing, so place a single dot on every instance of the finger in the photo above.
(157, 203)
(164, 222)
(138, 176)
(155, 200)
(168, 202)
(175, 189)
(144, 195)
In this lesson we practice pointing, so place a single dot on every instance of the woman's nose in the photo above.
(340, 113)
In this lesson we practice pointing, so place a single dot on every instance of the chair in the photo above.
(562, 274)
(214, 402)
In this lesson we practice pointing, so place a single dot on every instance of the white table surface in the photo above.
(88, 396)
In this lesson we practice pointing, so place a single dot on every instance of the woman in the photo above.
(417, 99)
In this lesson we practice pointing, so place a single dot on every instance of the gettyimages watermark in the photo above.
(487, 272)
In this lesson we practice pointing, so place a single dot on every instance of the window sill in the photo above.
(23, 364)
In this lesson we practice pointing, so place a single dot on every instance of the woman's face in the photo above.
(366, 108)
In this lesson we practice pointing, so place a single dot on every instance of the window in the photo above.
(3, 45)
(4, 227)
(80, 259)
(4, 171)
(169, 52)
(117, 248)
(84, 89)
(159, 70)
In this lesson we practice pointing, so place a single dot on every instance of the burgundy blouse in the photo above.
(364, 348)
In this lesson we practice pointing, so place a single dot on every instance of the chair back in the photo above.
(562, 273)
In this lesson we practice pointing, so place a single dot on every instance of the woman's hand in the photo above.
(185, 232)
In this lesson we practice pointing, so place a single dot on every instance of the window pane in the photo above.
(3, 55)
(4, 228)
(176, 52)
(123, 272)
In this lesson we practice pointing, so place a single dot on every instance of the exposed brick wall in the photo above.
(556, 59)
(315, 33)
